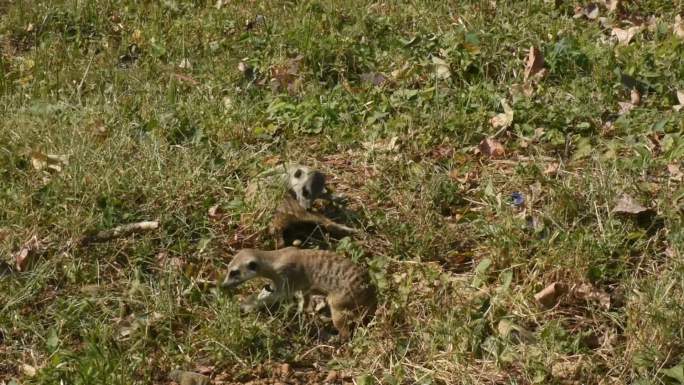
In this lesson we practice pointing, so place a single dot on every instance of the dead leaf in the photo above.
(552, 168)
(567, 370)
(137, 37)
(680, 98)
(4, 233)
(625, 107)
(628, 205)
(187, 79)
(588, 293)
(389, 145)
(206, 370)
(635, 97)
(441, 68)
(286, 76)
(606, 22)
(491, 148)
(514, 332)
(519, 90)
(625, 36)
(548, 297)
(673, 169)
(214, 211)
(534, 64)
(28, 370)
(375, 78)
(505, 119)
(612, 5)
(42, 161)
(185, 64)
(22, 257)
(678, 27)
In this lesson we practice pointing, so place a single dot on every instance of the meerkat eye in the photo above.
(298, 173)
(252, 266)
(233, 273)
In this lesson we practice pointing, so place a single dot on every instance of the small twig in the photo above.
(85, 73)
(119, 231)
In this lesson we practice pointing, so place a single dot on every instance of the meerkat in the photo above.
(291, 222)
(347, 286)
(293, 218)
(306, 185)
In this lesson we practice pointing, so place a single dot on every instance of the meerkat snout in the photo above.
(243, 267)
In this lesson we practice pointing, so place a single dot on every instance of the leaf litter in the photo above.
(504, 119)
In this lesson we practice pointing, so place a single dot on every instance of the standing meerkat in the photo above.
(347, 286)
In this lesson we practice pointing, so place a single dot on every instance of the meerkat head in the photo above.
(306, 184)
(244, 266)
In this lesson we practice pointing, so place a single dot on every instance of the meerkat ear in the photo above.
(252, 265)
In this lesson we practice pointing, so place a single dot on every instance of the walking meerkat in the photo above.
(347, 286)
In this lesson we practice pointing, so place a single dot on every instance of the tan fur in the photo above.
(290, 215)
(349, 291)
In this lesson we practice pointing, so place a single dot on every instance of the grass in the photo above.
(160, 121)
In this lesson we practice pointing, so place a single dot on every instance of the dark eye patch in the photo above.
(298, 173)
(252, 266)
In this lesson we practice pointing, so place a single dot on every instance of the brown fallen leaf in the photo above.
(185, 64)
(552, 168)
(28, 370)
(23, 256)
(214, 211)
(635, 97)
(534, 65)
(566, 371)
(548, 297)
(285, 77)
(613, 5)
(673, 169)
(680, 99)
(4, 233)
(374, 78)
(519, 90)
(628, 205)
(505, 119)
(514, 332)
(678, 27)
(625, 107)
(491, 148)
(401, 72)
(624, 36)
(441, 68)
(206, 370)
(186, 79)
